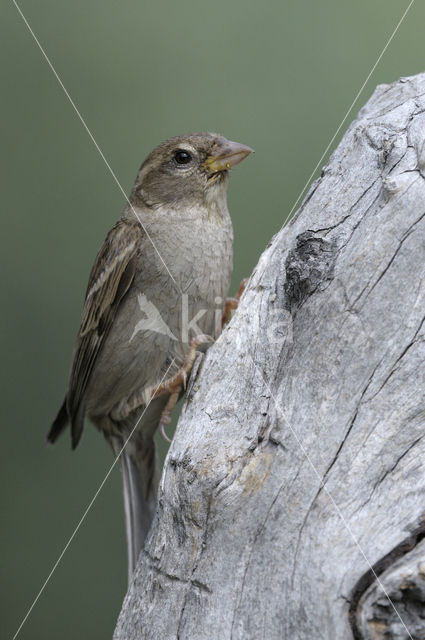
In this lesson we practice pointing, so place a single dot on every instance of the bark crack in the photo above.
(329, 468)
(406, 234)
(191, 581)
(399, 358)
(174, 577)
(387, 472)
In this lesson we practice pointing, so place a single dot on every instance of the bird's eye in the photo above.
(182, 157)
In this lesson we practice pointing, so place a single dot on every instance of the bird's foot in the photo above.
(232, 303)
(177, 383)
(166, 414)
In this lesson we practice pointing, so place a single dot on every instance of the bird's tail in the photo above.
(59, 425)
(139, 507)
(140, 480)
(61, 422)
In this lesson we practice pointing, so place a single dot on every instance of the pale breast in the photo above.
(165, 307)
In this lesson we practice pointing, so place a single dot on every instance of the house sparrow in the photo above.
(157, 283)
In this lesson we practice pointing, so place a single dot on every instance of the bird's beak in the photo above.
(226, 156)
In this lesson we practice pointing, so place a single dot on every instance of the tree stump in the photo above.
(292, 500)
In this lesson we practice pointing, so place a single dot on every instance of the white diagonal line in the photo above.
(326, 490)
(102, 155)
(83, 517)
(358, 94)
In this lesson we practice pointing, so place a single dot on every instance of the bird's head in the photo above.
(192, 168)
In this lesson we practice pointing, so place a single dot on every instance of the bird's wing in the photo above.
(110, 279)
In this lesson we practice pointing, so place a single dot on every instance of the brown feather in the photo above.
(110, 278)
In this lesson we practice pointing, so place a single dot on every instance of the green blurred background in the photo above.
(278, 76)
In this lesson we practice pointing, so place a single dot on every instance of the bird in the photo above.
(158, 284)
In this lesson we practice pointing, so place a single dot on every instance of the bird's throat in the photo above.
(216, 201)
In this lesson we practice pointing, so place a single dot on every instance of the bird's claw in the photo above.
(163, 433)
(179, 380)
(232, 303)
(178, 383)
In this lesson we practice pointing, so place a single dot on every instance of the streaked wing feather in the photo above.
(110, 278)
